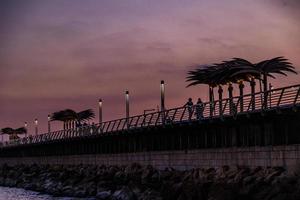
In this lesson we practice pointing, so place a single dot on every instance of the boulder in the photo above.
(123, 194)
(103, 195)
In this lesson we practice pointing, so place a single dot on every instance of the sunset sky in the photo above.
(58, 54)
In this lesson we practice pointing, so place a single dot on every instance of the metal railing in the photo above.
(257, 102)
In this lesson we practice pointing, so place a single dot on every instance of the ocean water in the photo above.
(20, 194)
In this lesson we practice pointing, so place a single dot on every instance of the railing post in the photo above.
(281, 95)
(296, 97)
(220, 91)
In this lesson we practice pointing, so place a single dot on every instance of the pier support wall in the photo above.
(287, 156)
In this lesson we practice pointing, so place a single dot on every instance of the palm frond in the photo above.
(7, 130)
(85, 115)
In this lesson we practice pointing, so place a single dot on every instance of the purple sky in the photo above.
(58, 54)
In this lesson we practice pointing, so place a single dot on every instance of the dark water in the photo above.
(20, 194)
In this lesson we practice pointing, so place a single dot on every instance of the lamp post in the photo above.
(162, 95)
(49, 126)
(100, 111)
(25, 126)
(36, 126)
(162, 100)
(127, 106)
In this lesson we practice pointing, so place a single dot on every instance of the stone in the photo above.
(103, 195)
(124, 194)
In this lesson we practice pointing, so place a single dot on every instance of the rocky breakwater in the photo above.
(145, 182)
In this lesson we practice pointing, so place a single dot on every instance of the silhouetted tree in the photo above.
(238, 70)
(226, 72)
(277, 65)
(70, 116)
(13, 133)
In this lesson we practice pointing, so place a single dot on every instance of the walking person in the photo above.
(189, 104)
(199, 109)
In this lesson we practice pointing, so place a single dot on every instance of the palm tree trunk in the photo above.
(241, 87)
(210, 101)
(252, 85)
(261, 97)
(265, 81)
(220, 91)
(230, 95)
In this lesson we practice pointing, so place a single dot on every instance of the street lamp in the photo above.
(49, 128)
(127, 106)
(25, 126)
(162, 95)
(162, 100)
(36, 126)
(100, 111)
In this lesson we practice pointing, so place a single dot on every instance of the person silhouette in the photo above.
(189, 104)
(199, 109)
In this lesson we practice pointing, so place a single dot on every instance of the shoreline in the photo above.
(145, 182)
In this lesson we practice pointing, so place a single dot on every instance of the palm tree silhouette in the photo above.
(70, 117)
(13, 133)
(204, 75)
(218, 74)
(277, 65)
(238, 70)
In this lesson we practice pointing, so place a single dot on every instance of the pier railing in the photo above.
(257, 102)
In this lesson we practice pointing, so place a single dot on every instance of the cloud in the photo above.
(57, 54)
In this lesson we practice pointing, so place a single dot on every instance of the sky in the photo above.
(58, 54)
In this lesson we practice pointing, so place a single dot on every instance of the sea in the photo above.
(7, 193)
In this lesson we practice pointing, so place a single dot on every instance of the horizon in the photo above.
(60, 54)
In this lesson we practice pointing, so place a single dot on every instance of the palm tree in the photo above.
(277, 65)
(70, 117)
(13, 133)
(238, 70)
(241, 70)
(204, 75)
(232, 71)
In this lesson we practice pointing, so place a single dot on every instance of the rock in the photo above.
(149, 195)
(147, 183)
(120, 177)
(247, 180)
(103, 195)
(124, 194)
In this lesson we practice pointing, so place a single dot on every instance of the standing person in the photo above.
(199, 109)
(189, 105)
